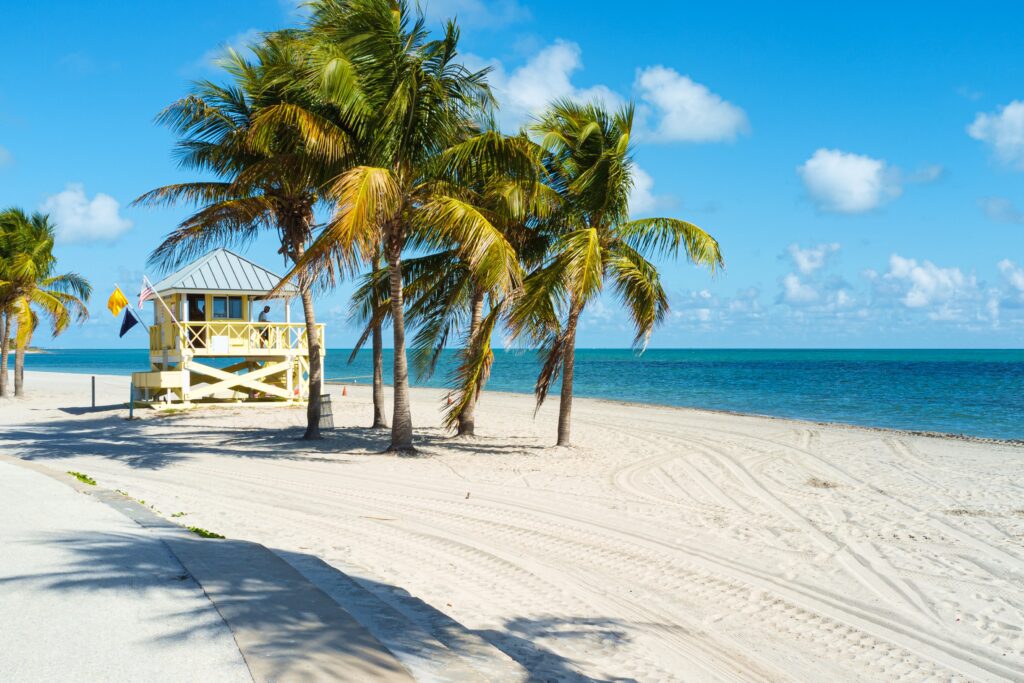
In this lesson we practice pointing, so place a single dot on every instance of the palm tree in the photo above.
(441, 299)
(444, 294)
(412, 105)
(587, 155)
(29, 286)
(380, 420)
(269, 179)
(514, 203)
(5, 346)
(6, 299)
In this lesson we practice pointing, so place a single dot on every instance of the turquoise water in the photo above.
(976, 392)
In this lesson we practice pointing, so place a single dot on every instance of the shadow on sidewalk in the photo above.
(118, 562)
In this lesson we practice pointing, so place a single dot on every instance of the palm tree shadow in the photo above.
(113, 563)
(145, 445)
(156, 442)
(291, 640)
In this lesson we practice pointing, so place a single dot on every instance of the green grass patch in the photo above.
(178, 514)
(203, 532)
(84, 478)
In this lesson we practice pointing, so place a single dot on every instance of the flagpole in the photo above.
(138, 316)
(146, 281)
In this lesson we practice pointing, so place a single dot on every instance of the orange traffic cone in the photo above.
(344, 390)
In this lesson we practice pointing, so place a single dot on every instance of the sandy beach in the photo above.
(668, 544)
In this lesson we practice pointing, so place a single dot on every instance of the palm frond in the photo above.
(582, 253)
(445, 220)
(665, 236)
(552, 352)
(198, 193)
(533, 310)
(638, 286)
(233, 222)
(474, 369)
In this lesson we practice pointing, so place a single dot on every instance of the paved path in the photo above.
(98, 587)
(86, 594)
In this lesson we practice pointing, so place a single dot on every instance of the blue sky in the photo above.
(861, 166)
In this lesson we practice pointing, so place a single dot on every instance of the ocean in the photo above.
(973, 392)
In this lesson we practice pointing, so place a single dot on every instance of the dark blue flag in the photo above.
(128, 323)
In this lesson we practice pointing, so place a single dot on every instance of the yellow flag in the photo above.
(116, 302)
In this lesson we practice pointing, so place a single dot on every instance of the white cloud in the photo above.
(672, 106)
(919, 292)
(544, 77)
(6, 158)
(795, 291)
(642, 199)
(705, 310)
(813, 258)
(239, 42)
(684, 110)
(907, 297)
(1003, 131)
(926, 284)
(809, 287)
(843, 182)
(1014, 276)
(992, 308)
(477, 12)
(1001, 210)
(80, 219)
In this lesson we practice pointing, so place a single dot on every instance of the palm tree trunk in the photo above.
(467, 418)
(380, 421)
(568, 367)
(19, 370)
(5, 341)
(401, 414)
(315, 357)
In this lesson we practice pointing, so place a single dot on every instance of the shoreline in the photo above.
(897, 431)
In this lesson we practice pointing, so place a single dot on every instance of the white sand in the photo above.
(668, 545)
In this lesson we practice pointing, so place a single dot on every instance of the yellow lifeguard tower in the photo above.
(203, 317)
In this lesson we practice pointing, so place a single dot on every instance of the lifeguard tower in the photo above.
(205, 345)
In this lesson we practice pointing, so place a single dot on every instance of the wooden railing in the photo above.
(231, 338)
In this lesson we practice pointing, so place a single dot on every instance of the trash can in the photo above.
(326, 416)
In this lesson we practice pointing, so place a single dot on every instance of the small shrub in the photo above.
(178, 514)
(203, 532)
(84, 478)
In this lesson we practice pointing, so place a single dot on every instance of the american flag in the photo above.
(146, 292)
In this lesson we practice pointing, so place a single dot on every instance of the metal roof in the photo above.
(222, 270)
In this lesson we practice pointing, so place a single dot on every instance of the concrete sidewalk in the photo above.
(86, 594)
(100, 588)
